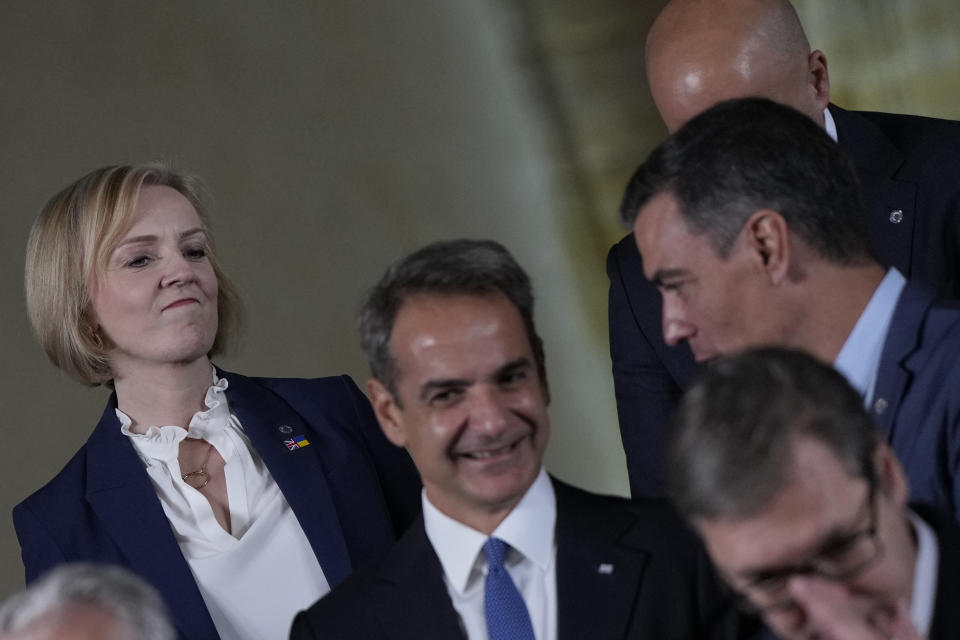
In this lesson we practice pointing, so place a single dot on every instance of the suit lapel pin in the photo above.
(605, 569)
(285, 429)
(296, 442)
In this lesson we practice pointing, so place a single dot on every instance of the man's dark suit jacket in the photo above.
(946, 616)
(909, 168)
(661, 585)
(916, 402)
(350, 489)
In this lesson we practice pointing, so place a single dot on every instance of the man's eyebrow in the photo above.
(835, 534)
(667, 274)
(518, 364)
(442, 385)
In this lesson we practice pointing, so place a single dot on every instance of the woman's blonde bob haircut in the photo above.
(67, 252)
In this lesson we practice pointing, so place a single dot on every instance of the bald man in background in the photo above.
(702, 51)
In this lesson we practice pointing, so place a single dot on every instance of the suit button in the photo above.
(880, 406)
(896, 216)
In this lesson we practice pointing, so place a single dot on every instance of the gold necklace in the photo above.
(200, 475)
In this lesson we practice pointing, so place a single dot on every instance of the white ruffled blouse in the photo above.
(255, 579)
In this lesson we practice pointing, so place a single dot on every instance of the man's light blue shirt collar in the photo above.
(859, 359)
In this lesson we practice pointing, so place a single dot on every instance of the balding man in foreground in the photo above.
(803, 506)
(703, 51)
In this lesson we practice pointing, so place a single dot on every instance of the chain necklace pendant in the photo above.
(200, 476)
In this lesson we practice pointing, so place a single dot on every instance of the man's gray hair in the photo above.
(747, 154)
(732, 438)
(110, 589)
(452, 267)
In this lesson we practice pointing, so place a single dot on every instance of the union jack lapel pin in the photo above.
(296, 442)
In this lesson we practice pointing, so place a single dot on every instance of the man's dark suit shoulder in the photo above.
(648, 375)
(934, 139)
(639, 524)
(631, 565)
(350, 610)
(910, 165)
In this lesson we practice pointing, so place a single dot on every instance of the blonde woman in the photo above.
(242, 500)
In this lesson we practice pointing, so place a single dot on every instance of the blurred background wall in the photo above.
(336, 136)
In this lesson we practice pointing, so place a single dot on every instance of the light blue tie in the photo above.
(506, 613)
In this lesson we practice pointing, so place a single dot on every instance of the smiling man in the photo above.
(803, 506)
(503, 550)
(751, 225)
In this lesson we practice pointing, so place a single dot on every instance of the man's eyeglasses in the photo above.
(840, 559)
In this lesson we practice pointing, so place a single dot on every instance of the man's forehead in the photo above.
(663, 234)
(662, 207)
(743, 547)
(454, 333)
(75, 622)
(450, 311)
(818, 497)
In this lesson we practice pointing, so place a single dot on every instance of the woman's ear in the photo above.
(91, 328)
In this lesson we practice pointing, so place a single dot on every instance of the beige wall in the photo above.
(889, 55)
(337, 136)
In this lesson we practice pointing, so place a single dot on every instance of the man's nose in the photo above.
(676, 327)
(488, 409)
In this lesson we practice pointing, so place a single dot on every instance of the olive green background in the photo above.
(337, 136)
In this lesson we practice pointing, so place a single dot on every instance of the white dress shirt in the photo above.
(924, 575)
(830, 125)
(531, 560)
(859, 358)
(257, 577)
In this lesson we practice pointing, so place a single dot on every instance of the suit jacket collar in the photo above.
(599, 568)
(120, 492)
(269, 422)
(872, 151)
(898, 362)
(599, 572)
(890, 201)
(410, 596)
